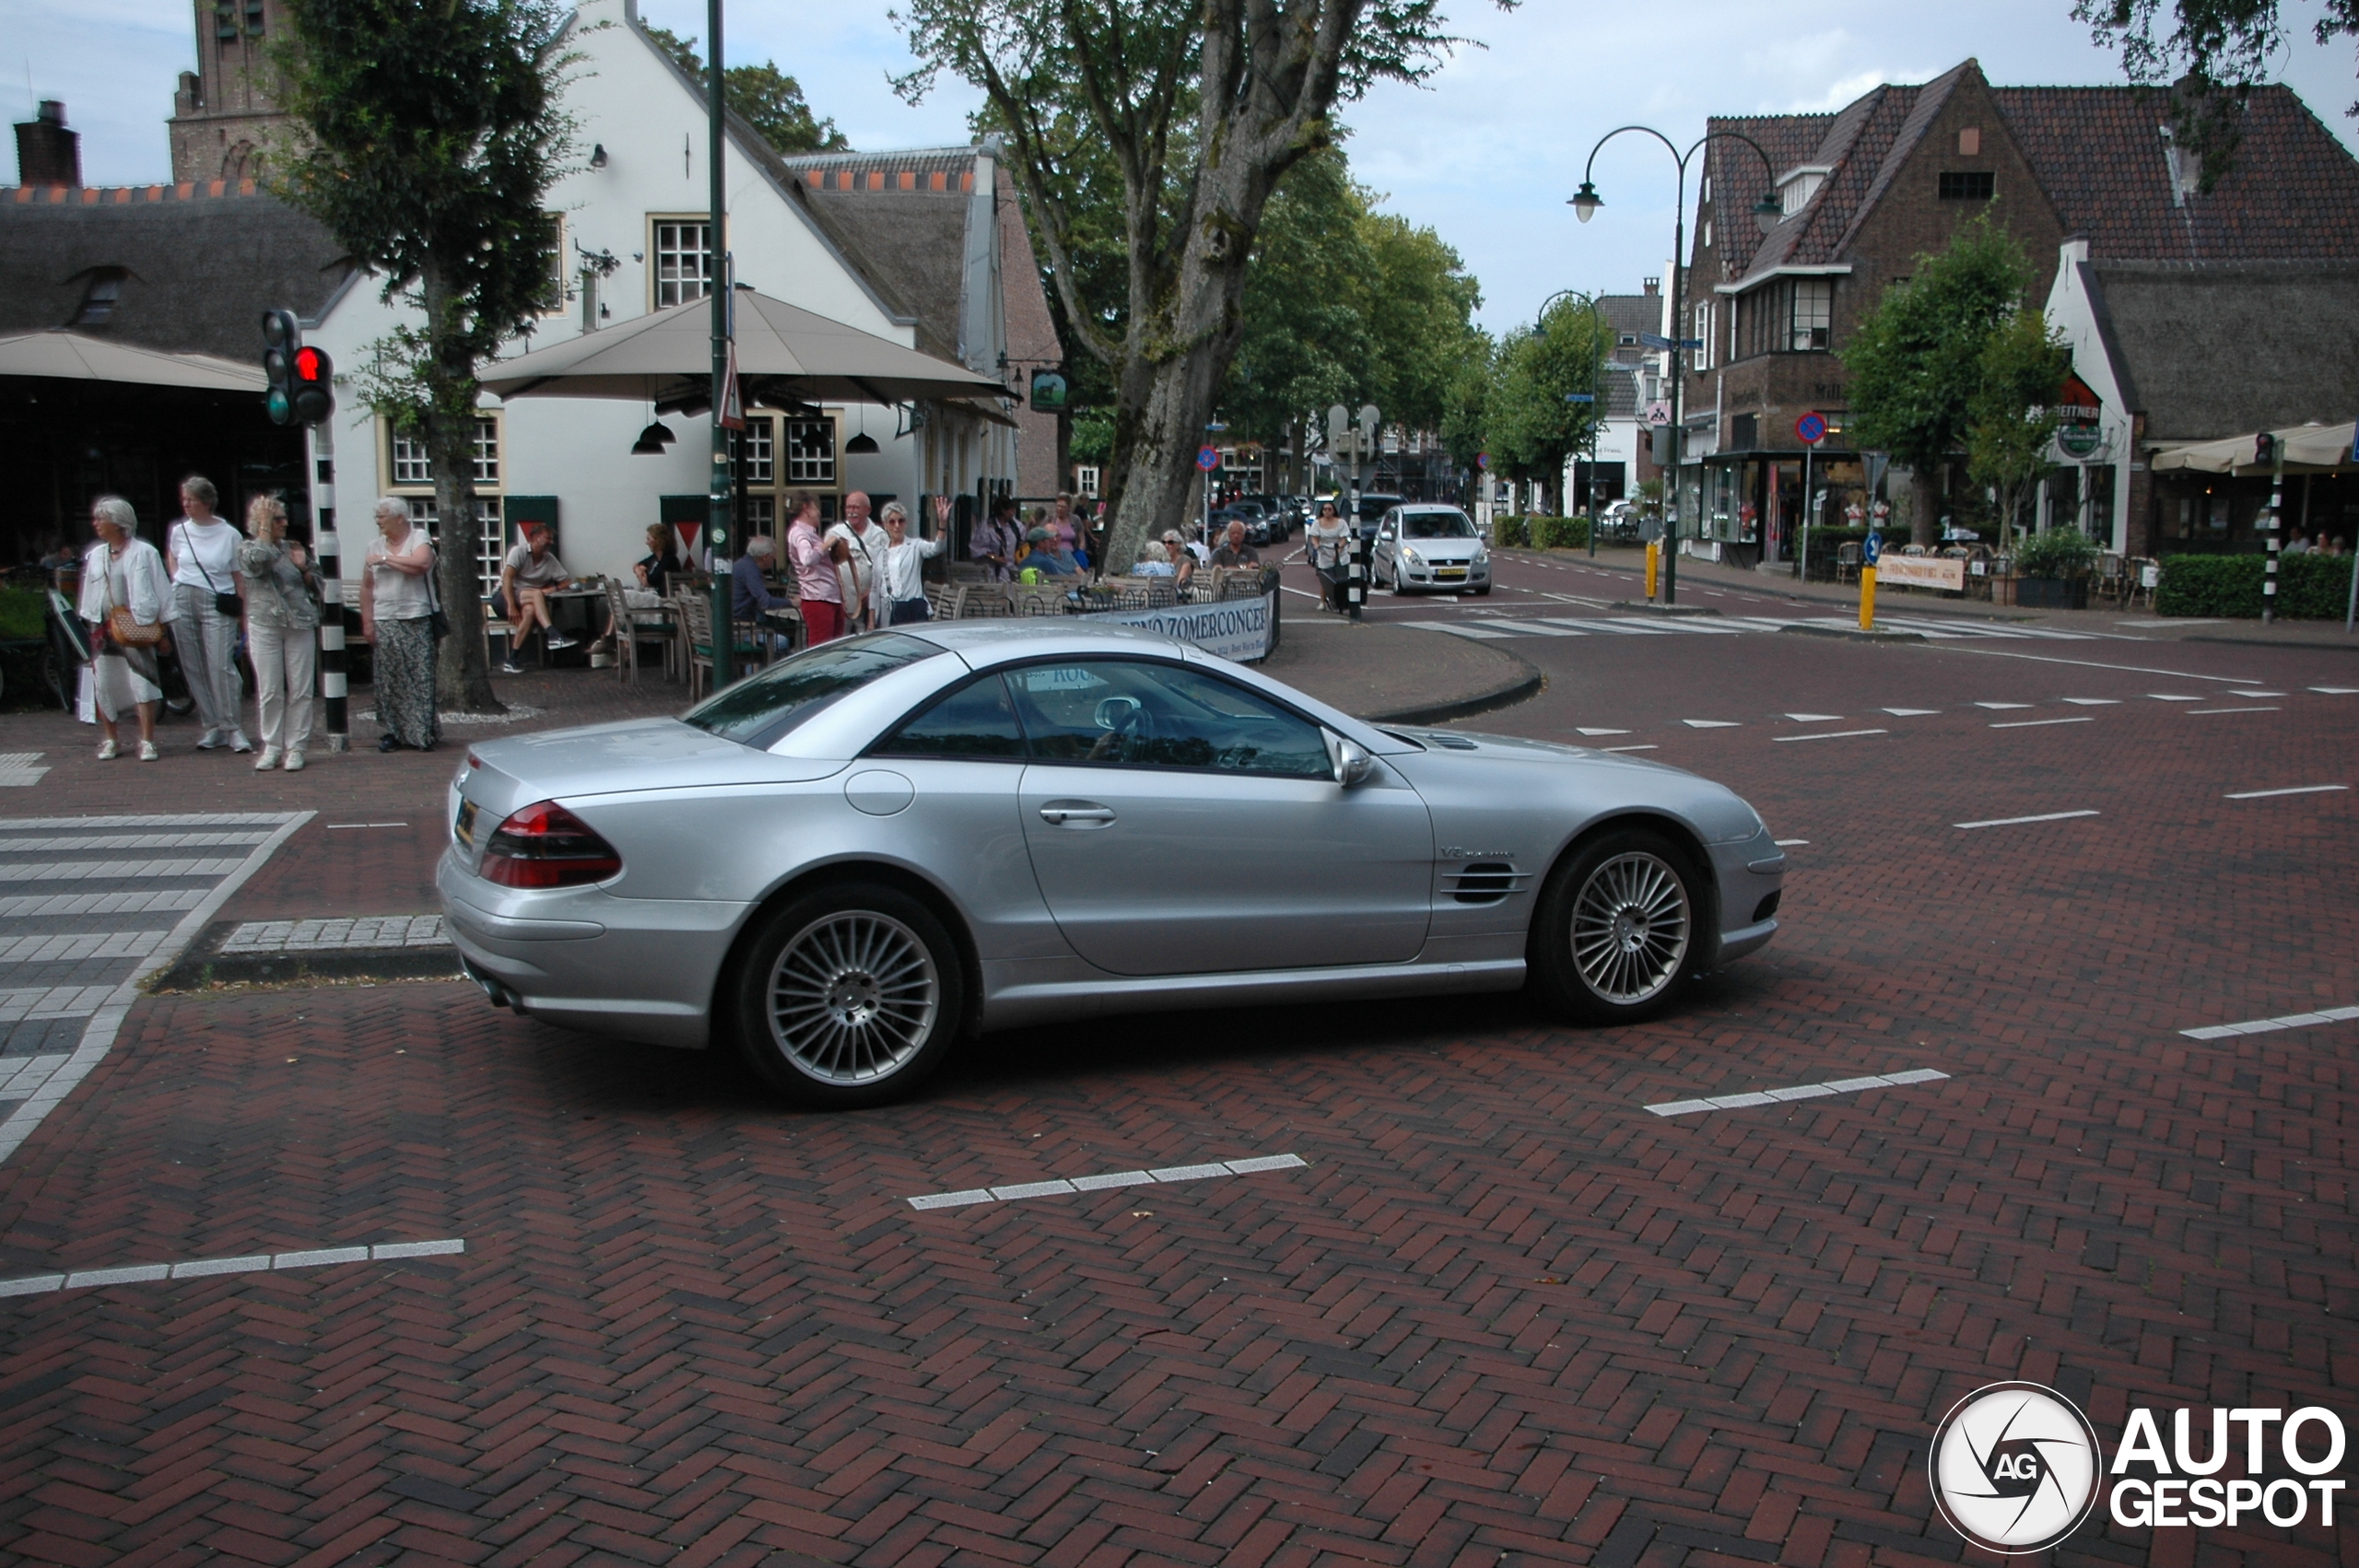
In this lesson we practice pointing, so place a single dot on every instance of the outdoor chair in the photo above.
(2113, 576)
(696, 616)
(632, 626)
(1848, 556)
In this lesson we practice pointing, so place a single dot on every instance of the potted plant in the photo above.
(2052, 570)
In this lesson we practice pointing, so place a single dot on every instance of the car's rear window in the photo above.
(758, 710)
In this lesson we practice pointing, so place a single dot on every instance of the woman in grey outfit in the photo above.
(282, 626)
(201, 554)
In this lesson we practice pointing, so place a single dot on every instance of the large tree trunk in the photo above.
(1924, 504)
(462, 675)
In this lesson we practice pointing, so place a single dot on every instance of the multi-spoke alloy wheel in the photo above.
(853, 997)
(1630, 929)
(1616, 928)
(848, 996)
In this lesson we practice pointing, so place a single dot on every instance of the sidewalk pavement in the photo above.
(2141, 623)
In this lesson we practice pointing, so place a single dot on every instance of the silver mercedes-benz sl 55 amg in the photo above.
(846, 861)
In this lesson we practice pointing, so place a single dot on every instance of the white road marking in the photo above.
(1829, 734)
(127, 842)
(2296, 790)
(1798, 1091)
(1583, 729)
(2098, 664)
(2173, 696)
(330, 936)
(18, 1003)
(1815, 717)
(251, 1263)
(2095, 701)
(2255, 694)
(1455, 629)
(1537, 628)
(2270, 1026)
(1910, 712)
(1788, 843)
(2035, 723)
(91, 871)
(1108, 1179)
(2337, 691)
(2175, 621)
(335, 827)
(1634, 748)
(2013, 820)
(205, 819)
(101, 903)
(2002, 706)
(1711, 724)
(2198, 712)
(46, 948)
(22, 1076)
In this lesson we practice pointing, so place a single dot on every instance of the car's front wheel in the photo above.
(848, 996)
(1618, 928)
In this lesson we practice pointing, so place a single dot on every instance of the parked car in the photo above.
(1422, 547)
(844, 863)
(1373, 506)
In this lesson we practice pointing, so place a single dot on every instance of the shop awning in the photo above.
(72, 357)
(2308, 449)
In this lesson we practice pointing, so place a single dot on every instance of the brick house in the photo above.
(1893, 175)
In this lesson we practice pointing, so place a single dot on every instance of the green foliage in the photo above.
(1557, 533)
(2310, 587)
(1511, 532)
(2059, 552)
(23, 613)
(1529, 427)
(1093, 435)
(1463, 400)
(1917, 361)
(764, 96)
(1419, 305)
(2023, 364)
(2214, 53)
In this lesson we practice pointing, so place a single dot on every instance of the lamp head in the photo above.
(1768, 212)
(653, 440)
(1586, 201)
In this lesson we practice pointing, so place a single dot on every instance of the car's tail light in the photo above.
(546, 846)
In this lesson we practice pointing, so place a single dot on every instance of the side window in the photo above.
(973, 721)
(1127, 713)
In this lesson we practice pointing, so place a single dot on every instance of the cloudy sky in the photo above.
(1485, 154)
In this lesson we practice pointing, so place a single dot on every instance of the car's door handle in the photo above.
(1058, 816)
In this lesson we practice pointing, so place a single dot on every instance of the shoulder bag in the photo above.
(122, 630)
(436, 615)
(227, 605)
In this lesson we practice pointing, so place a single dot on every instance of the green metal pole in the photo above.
(720, 514)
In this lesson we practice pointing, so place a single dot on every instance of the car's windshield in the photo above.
(1436, 525)
(1374, 507)
(756, 711)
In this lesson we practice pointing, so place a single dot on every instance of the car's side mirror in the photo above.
(1349, 759)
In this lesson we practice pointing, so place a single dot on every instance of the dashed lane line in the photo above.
(1911, 712)
(2094, 701)
(1798, 1091)
(2201, 712)
(2270, 1026)
(1711, 723)
(2016, 820)
(1829, 735)
(1167, 1175)
(2037, 723)
(251, 1263)
(1634, 748)
(1788, 843)
(2296, 790)
(2098, 664)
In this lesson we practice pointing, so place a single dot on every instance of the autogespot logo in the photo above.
(2015, 1468)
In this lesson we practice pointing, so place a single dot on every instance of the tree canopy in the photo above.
(2013, 416)
(1530, 425)
(764, 96)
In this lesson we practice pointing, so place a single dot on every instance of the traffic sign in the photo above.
(1876, 547)
(1811, 428)
(1482, 460)
(1208, 458)
(1580, 397)
(1658, 413)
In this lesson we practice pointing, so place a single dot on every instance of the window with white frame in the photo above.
(810, 451)
(1813, 318)
(408, 464)
(1704, 337)
(681, 252)
(553, 298)
(760, 452)
(491, 536)
(761, 515)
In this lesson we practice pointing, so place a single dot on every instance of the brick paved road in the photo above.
(1504, 1314)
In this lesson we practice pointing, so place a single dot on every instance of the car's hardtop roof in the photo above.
(995, 641)
(1407, 506)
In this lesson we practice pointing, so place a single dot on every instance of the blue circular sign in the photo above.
(1876, 547)
(1811, 428)
(1208, 458)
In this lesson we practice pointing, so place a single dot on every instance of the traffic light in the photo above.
(280, 339)
(2265, 448)
(314, 386)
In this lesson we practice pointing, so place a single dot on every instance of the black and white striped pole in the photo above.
(2267, 450)
(333, 689)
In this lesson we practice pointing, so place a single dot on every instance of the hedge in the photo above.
(1542, 532)
(2310, 587)
(23, 613)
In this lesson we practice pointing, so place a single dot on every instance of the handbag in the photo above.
(227, 605)
(124, 632)
(435, 617)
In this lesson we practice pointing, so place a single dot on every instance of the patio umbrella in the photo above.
(2308, 449)
(785, 354)
(72, 357)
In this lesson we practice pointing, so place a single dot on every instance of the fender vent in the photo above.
(1455, 743)
(1484, 882)
(1768, 906)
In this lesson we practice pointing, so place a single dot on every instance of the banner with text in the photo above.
(1243, 630)
(1920, 571)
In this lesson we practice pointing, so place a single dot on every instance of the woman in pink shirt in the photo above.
(815, 563)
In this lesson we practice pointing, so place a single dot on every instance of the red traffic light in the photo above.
(310, 365)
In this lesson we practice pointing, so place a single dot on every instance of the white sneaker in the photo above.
(511, 668)
(146, 751)
(107, 751)
(556, 642)
(269, 759)
(293, 762)
(238, 741)
(211, 741)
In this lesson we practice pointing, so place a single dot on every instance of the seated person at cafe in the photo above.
(1154, 560)
(1049, 554)
(655, 570)
(749, 592)
(526, 578)
(1233, 551)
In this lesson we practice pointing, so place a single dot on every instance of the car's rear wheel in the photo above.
(848, 996)
(1619, 928)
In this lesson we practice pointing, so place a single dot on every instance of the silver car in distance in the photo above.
(846, 861)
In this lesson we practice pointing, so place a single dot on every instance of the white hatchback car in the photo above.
(1421, 548)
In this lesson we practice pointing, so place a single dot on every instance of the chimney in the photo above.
(47, 153)
(1653, 285)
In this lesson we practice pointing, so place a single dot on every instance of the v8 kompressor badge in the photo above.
(2015, 1468)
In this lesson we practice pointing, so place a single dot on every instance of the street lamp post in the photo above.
(720, 511)
(1767, 212)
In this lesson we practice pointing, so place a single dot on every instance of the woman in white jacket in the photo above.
(123, 570)
(901, 582)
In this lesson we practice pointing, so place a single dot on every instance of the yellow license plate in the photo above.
(1449, 571)
(464, 829)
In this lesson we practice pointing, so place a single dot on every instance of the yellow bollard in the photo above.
(1654, 560)
(1867, 599)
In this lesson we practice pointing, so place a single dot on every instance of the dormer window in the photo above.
(99, 294)
(1797, 186)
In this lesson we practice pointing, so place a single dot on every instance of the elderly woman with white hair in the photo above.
(125, 595)
(397, 616)
(901, 580)
(282, 626)
(201, 554)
